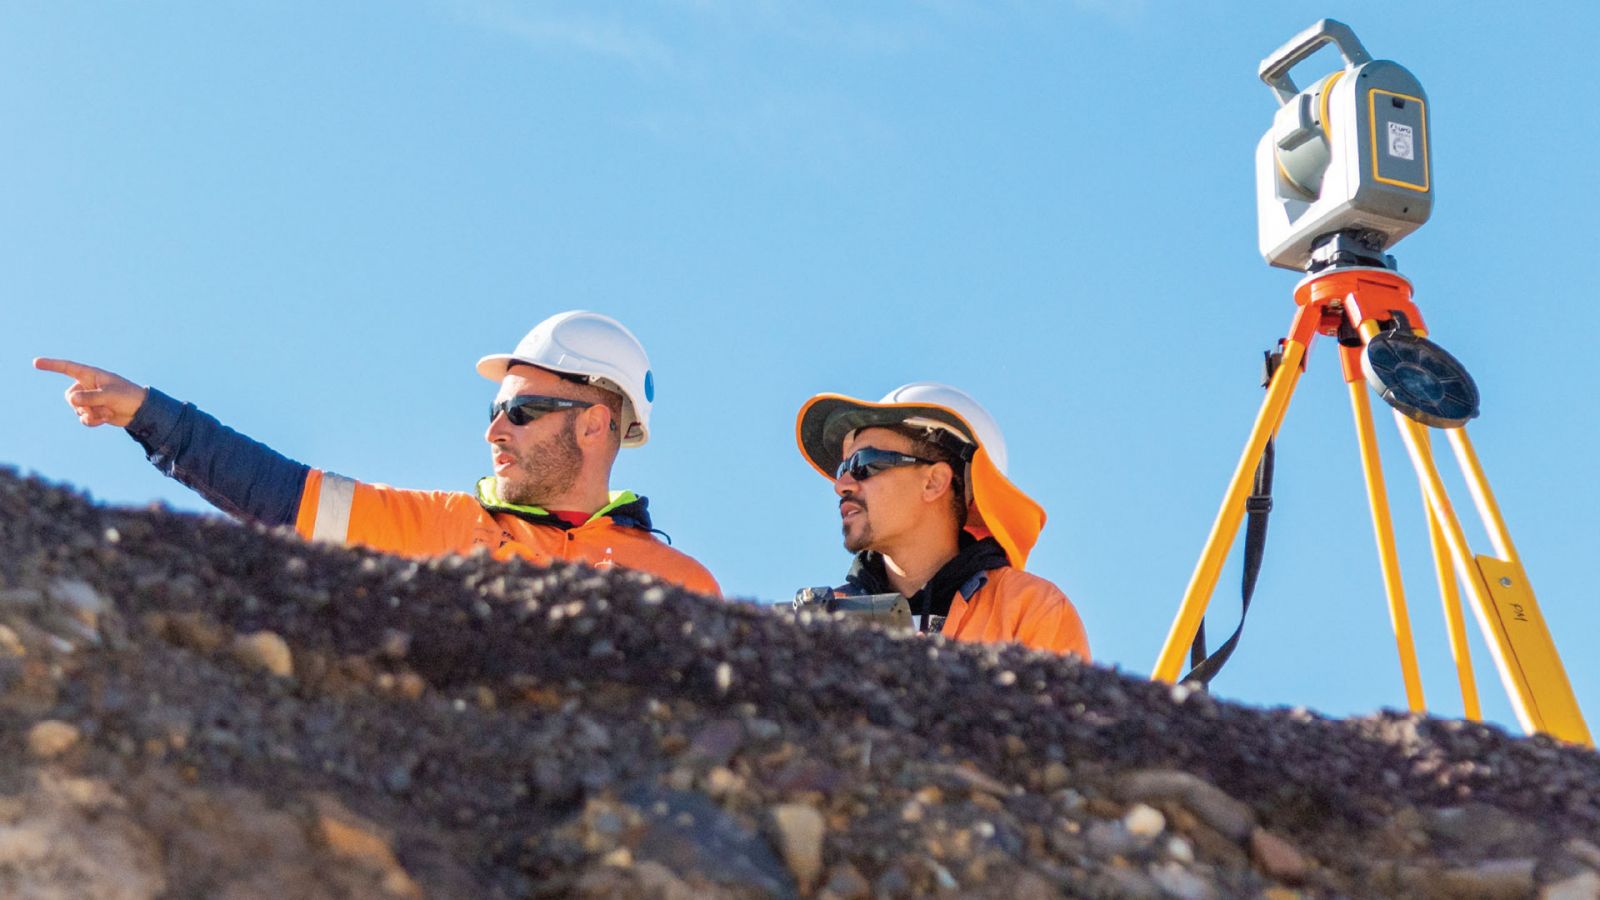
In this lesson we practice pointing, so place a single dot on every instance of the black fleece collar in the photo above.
(869, 576)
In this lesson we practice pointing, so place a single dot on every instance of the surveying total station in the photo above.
(1341, 176)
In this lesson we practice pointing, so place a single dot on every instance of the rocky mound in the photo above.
(194, 708)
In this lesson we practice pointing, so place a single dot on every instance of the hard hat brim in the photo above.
(496, 366)
(826, 419)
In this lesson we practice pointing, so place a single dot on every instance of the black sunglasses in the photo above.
(870, 461)
(525, 408)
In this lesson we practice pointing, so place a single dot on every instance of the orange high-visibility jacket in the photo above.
(430, 523)
(1012, 605)
(250, 480)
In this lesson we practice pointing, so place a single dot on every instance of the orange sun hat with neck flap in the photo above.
(995, 506)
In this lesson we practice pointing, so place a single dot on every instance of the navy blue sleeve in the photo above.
(235, 474)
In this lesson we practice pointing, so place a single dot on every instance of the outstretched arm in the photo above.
(234, 473)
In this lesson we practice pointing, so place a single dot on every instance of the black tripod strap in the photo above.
(1204, 668)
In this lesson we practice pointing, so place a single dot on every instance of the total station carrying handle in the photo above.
(1275, 68)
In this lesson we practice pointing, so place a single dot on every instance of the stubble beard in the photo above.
(544, 470)
(862, 537)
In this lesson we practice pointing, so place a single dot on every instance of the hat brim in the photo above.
(826, 419)
(496, 366)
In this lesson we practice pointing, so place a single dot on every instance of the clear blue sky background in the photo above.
(311, 219)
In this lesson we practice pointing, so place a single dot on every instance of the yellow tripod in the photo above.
(1375, 303)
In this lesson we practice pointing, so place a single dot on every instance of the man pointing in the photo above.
(575, 391)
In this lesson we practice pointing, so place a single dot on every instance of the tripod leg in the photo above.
(1383, 530)
(1534, 648)
(1482, 497)
(1506, 610)
(1226, 526)
(1450, 599)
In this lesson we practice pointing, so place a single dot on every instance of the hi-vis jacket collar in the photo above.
(625, 508)
(999, 508)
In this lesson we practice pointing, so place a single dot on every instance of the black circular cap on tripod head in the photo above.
(1420, 378)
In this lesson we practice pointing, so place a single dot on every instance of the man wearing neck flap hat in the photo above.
(925, 505)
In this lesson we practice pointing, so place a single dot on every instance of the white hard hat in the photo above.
(981, 428)
(599, 349)
(827, 419)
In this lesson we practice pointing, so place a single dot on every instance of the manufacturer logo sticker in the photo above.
(1401, 143)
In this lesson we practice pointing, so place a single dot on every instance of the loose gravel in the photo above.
(190, 707)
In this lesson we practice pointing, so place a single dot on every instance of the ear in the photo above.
(937, 482)
(594, 424)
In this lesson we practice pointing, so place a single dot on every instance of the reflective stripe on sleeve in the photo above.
(333, 509)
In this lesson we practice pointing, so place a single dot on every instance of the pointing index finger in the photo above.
(63, 366)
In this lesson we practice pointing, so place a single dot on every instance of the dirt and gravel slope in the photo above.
(194, 708)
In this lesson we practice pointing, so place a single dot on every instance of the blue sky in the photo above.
(312, 219)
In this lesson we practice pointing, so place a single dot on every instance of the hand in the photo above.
(97, 396)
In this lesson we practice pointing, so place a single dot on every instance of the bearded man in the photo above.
(576, 390)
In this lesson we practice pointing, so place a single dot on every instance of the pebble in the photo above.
(51, 738)
(1491, 879)
(394, 644)
(264, 650)
(722, 782)
(1128, 884)
(717, 742)
(1182, 884)
(798, 830)
(1054, 777)
(1583, 886)
(1277, 858)
(845, 882)
(894, 882)
(354, 840)
(1479, 827)
(808, 774)
(194, 630)
(1144, 821)
(21, 597)
(974, 780)
(1111, 839)
(1180, 850)
(764, 729)
(410, 685)
(1213, 806)
(85, 602)
(1587, 851)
